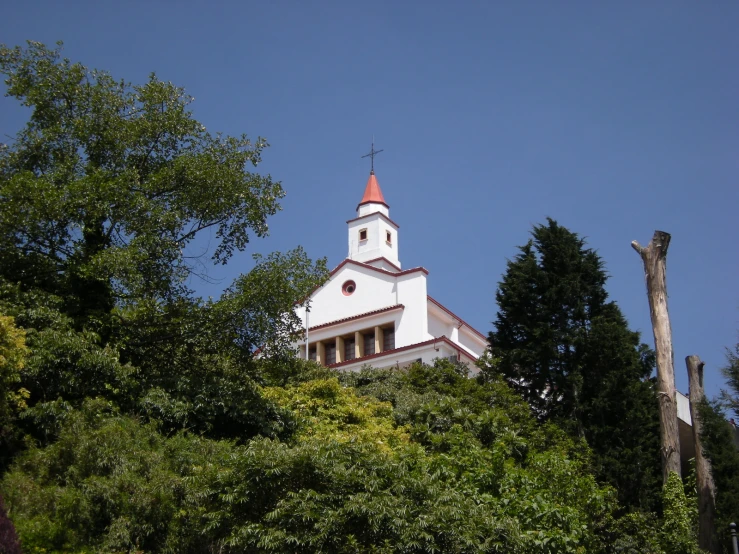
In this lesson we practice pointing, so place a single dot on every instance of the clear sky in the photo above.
(614, 118)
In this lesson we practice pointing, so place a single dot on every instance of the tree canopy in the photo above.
(720, 446)
(135, 416)
(102, 195)
(109, 183)
(730, 396)
(569, 353)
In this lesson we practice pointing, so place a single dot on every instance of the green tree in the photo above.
(482, 477)
(108, 184)
(102, 194)
(730, 396)
(568, 352)
(680, 517)
(719, 447)
(13, 354)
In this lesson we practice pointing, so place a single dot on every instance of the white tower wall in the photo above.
(376, 227)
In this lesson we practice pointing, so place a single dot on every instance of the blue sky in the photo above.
(614, 118)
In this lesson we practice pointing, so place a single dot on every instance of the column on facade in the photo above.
(379, 340)
(358, 345)
(339, 349)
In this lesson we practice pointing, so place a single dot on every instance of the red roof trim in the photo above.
(442, 338)
(386, 218)
(455, 316)
(377, 269)
(360, 264)
(384, 259)
(358, 316)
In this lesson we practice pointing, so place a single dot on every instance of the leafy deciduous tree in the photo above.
(108, 184)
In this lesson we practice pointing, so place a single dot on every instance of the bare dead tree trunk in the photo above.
(654, 257)
(704, 477)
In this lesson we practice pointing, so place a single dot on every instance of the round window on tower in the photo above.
(348, 288)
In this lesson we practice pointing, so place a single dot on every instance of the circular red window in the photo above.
(348, 288)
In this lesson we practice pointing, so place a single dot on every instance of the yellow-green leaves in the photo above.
(326, 411)
(13, 353)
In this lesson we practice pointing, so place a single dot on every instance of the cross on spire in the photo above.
(371, 155)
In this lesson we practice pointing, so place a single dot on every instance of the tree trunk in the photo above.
(654, 257)
(704, 478)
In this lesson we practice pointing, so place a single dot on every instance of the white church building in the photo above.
(373, 312)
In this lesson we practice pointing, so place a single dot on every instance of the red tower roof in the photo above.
(372, 192)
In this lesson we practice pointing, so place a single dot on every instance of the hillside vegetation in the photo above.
(137, 417)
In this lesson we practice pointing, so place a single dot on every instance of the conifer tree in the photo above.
(731, 371)
(719, 440)
(567, 350)
(719, 447)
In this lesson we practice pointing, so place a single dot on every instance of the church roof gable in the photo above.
(377, 269)
(456, 317)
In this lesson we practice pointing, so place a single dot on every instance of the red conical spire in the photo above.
(372, 192)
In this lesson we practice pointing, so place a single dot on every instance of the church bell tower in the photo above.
(373, 236)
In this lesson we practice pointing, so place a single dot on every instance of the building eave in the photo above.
(455, 316)
(379, 355)
(385, 272)
(377, 269)
(384, 259)
(382, 215)
(357, 317)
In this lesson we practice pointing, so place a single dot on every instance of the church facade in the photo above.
(373, 312)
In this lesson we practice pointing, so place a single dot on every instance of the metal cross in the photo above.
(372, 154)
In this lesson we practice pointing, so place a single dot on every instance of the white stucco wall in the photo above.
(441, 322)
(683, 408)
(376, 245)
(471, 341)
(374, 290)
(414, 323)
(371, 207)
(437, 327)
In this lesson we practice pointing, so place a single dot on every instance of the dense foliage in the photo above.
(9, 542)
(100, 195)
(720, 448)
(569, 353)
(136, 417)
(730, 396)
(445, 464)
(13, 354)
(109, 183)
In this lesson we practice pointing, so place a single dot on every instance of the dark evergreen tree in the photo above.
(731, 396)
(569, 353)
(719, 447)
